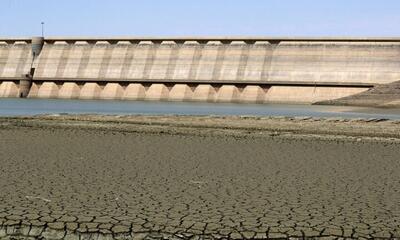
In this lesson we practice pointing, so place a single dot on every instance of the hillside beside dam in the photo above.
(207, 69)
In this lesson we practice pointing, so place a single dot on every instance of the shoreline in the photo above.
(240, 126)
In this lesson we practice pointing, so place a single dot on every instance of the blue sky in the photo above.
(201, 17)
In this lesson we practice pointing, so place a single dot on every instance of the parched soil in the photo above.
(175, 177)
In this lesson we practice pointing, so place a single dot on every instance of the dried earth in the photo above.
(176, 177)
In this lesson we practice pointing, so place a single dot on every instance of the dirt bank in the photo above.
(217, 125)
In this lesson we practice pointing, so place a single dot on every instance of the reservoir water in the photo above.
(28, 107)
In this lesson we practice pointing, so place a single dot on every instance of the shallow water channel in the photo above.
(18, 107)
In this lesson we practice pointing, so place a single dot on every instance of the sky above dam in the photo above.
(207, 17)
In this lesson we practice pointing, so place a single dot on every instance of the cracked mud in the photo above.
(76, 182)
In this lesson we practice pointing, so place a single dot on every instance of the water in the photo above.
(19, 107)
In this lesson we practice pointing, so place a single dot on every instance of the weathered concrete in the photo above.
(134, 91)
(295, 70)
(183, 92)
(305, 94)
(386, 95)
(33, 92)
(228, 93)
(157, 92)
(8, 89)
(23, 87)
(112, 91)
(90, 91)
(69, 90)
(15, 59)
(48, 90)
(216, 61)
(204, 93)
(180, 92)
(253, 94)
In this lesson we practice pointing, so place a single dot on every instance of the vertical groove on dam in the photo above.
(243, 63)
(63, 61)
(148, 62)
(219, 61)
(127, 57)
(84, 60)
(219, 69)
(105, 63)
(198, 52)
(267, 63)
(137, 67)
(172, 62)
(4, 53)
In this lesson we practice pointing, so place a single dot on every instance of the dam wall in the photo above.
(259, 70)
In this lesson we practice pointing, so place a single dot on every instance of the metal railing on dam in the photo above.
(212, 69)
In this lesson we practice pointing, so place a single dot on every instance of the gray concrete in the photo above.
(315, 69)
(261, 61)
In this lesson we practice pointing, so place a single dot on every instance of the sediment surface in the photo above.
(93, 177)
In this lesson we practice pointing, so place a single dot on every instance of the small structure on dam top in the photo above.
(212, 69)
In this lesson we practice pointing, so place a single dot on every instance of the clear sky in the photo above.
(201, 17)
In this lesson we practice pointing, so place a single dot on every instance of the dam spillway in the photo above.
(217, 69)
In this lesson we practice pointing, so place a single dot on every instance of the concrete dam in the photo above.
(211, 69)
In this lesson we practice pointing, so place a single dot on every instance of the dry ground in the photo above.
(95, 177)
